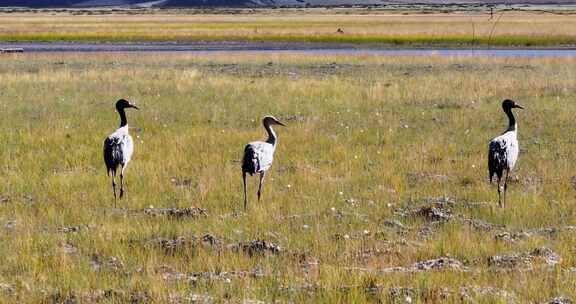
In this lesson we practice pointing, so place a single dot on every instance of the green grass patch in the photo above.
(465, 40)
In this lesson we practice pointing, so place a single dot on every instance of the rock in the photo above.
(466, 293)
(524, 259)
(515, 236)
(58, 297)
(407, 295)
(181, 182)
(510, 237)
(113, 264)
(480, 224)
(98, 295)
(137, 297)
(559, 300)
(433, 264)
(434, 213)
(174, 244)
(397, 292)
(573, 182)
(433, 209)
(210, 239)
(439, 263)
(258, 247)
(192, 212)
(550, 257)
(11, 224)
(442, 201)
(68, 248)
(4, 199)
(352, 202)
(199, 298)
(509, 260)
(396, 224)
(224, 276)
(8, 288)
(69, 229)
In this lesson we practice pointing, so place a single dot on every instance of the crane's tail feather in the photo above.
(496, 159)
(250, 160)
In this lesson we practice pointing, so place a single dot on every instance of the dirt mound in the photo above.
(524, 259)
(192, 212)
(257, 247)
(433, 264)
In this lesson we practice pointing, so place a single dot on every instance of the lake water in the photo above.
(203, 47)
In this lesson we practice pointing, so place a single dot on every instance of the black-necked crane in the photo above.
(503, 150)
(258, 155)
(118, 147)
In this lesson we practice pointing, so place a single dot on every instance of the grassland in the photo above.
(371, 143)
(364, 27)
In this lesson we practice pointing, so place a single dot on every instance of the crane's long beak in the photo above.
(279, 123)
(519, 106)
(135, 107)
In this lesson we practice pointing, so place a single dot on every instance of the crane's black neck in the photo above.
(271, 135)
(511, 119)
(123, 120)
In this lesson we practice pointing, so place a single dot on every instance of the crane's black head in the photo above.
(124, 104)
(271, 120)
(508, 104)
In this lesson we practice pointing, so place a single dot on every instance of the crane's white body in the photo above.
(120, 146)
(262, 155)
(505, 148)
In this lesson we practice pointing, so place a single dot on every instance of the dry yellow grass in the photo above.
(524, 28)
(368, 138)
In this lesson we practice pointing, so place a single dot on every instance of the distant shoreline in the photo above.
(514, 27)
(430, 6)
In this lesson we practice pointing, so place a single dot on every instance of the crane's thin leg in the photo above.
(245, 199)
(122, 182)
(499, 194)
(505, 187)
(114, 186)
(262, 174)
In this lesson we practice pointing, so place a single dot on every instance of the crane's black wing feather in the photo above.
(497, 153)
(250, 162)
(112, 153)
